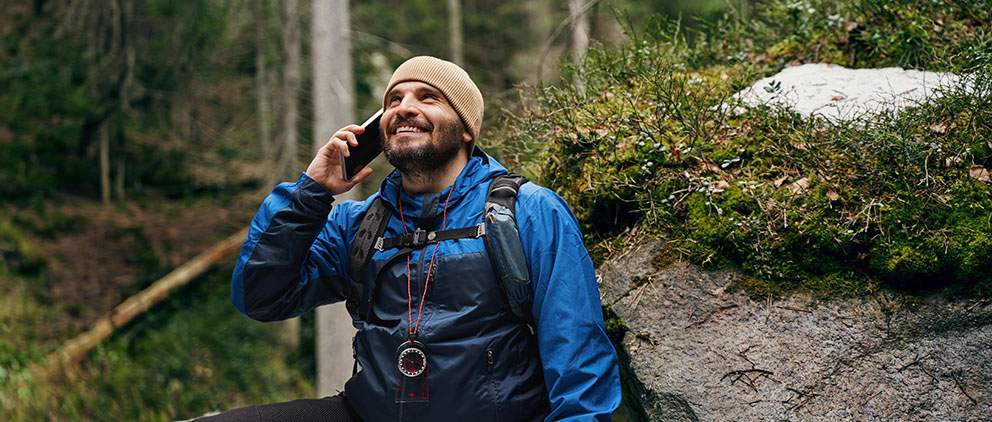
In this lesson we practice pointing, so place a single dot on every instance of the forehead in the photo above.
(412, 86)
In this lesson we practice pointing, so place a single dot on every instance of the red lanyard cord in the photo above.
(430, 268)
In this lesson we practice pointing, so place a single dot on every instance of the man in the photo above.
(436, 340)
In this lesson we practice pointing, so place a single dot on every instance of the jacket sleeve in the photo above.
(580, 364)
(291, 261)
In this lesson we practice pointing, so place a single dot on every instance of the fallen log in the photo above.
(74, 349)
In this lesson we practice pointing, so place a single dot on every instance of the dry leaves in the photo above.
(980, 174)
(799, 186)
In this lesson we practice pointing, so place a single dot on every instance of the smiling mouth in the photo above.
(408, 129)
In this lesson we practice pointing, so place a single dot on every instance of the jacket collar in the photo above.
(479, 169)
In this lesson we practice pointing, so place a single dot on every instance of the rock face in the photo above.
(695, 350)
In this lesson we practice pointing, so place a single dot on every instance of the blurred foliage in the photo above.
(190, 355)
(646, 145)
(70, 68)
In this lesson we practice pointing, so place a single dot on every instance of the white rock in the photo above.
(837, 93)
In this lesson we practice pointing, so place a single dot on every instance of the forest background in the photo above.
(135, 134)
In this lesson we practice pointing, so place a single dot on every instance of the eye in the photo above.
(430, 96)
(394, 99)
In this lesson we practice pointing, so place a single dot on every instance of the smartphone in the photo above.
(368, 148)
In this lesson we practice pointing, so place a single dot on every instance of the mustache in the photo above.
(403, 121)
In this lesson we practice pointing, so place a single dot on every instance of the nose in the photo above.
(407, 106)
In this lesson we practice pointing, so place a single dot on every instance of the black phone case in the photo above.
(368, 148)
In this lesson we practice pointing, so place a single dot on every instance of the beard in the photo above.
(428, 157)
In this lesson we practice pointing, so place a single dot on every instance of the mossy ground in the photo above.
(639, 140)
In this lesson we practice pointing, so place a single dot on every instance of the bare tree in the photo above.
(107, 28)
(455, 38)
(264, 77)
(580, 35)
(334, 104)
(291, 77)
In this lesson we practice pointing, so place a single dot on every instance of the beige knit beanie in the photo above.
(448, 78)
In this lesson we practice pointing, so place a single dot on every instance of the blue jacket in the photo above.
(483, 362)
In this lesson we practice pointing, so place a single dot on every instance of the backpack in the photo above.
(498, 230)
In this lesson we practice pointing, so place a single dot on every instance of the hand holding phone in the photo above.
(337, 173)
(369, 147)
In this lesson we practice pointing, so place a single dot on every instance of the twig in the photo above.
(961, 387)
(802, 403)
(652, 381)
(869, 399)
(746, 358)
(741, 372)
(841, 319)
(637, 297)
(768, 307)
(710, 313)
(770, 377)
(793, 308)
(976, 304)
(741, 376)
(805, 396)
(915, 362)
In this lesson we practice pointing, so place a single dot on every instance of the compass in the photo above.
(412, 360)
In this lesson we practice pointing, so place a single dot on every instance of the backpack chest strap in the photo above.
(421, 238)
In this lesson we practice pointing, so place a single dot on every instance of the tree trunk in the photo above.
(456, 41)
(333, 103)
(580, 37)
(104, 164)
(289, 136)
(119, 177)
(333, 83)
(263, 78)
(290, 89)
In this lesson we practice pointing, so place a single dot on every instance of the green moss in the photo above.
(615, 327)
(907, 265)
(795, 203)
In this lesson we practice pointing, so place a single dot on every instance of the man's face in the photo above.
(420, 130)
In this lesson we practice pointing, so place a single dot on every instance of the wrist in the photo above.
(315, 192)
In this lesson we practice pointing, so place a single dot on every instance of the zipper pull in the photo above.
(490, 358)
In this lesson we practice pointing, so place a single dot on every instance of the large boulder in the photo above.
(696, 349)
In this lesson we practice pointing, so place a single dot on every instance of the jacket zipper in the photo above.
(490, 361)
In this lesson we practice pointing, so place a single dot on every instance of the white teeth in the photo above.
(405, 129)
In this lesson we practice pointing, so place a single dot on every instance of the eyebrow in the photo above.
(421, 90)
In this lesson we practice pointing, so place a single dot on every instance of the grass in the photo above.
(191, 354)
(643, 144)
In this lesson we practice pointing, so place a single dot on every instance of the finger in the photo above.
(361, 175)
(341, 133)
(352, 139)
(349, 130)
(339, 145)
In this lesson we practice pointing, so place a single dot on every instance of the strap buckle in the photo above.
(420, 238)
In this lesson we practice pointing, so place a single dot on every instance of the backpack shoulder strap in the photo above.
(504, 247)
(371, 228)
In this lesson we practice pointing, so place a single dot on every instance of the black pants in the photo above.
(328, 409)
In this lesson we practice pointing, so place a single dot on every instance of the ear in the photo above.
(467, 137)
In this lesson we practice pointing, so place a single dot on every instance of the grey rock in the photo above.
(696, 350)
